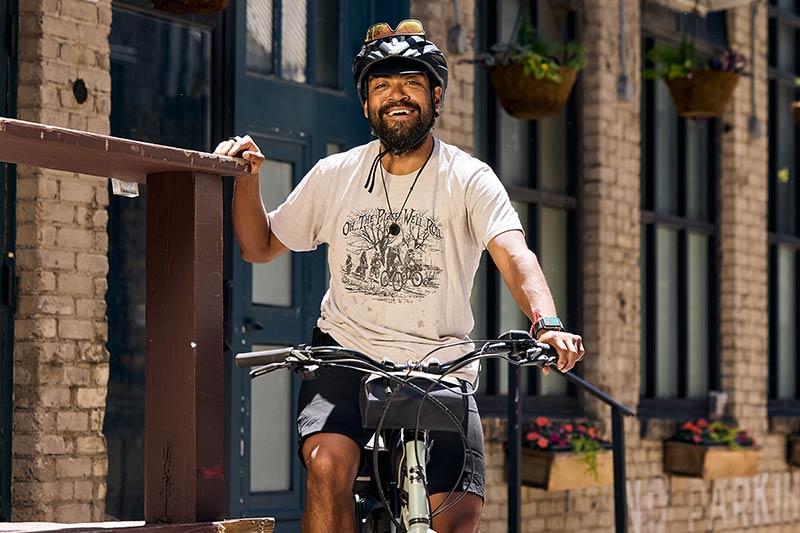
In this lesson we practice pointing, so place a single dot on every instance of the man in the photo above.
(405, 194)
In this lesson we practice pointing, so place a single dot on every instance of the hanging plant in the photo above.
(184, 7)
(700, 88)
(532, 76)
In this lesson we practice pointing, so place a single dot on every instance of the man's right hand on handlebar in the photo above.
(568, 346)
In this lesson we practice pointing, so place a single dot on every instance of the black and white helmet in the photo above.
(400, 53)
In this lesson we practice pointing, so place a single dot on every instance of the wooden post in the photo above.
(185, 479)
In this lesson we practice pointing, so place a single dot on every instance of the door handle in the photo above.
(253, 324)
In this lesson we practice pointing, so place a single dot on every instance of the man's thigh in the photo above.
(330, 404)
(451, 466)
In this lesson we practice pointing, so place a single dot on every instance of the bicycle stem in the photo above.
(418, 519)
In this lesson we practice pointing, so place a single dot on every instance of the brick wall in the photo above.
(455, 124)
(610, 206)
(60, 360)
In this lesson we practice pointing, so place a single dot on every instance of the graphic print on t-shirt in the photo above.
(392, 267)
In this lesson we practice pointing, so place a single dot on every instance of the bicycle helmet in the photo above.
(399, 53)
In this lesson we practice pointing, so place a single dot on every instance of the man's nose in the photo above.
(398, 92)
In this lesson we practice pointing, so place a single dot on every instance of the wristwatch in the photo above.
(548, 323)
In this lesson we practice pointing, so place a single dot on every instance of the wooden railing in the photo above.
(185, 477)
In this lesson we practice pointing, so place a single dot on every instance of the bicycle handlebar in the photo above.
(263, 357)
(522, 350)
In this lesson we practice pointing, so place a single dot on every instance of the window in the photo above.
(784, 234)
(537, 163)
(280, 43)
(678, 256)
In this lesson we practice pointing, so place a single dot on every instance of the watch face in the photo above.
(551, 322)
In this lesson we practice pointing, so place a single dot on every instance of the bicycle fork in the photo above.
(417, 519)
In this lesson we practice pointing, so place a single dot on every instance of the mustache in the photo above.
(388, 107)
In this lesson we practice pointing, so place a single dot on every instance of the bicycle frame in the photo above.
(414, 506)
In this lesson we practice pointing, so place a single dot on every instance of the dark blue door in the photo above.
(8, 22)
(295, 96)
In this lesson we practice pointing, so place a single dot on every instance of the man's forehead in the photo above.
(398, 75)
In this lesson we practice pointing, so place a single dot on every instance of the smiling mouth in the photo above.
(399, 112)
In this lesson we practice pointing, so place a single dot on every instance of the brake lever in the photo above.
(540, 356)
(266, 369)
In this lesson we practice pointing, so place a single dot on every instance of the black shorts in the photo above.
(330, 404)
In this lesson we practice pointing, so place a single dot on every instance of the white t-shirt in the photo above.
(398, 297)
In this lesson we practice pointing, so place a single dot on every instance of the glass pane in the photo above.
(665, 152)
(478, 302)
(552, 150)
(326, 59)
(332, 148)
(272, 282)
(512, 151)
(178, 61)
(294, 19)
(697, 150)
(786, 47)
(786, 163)
(508, 11)
(271, 431)
(511, 317)
(259, 36)
(787, 322)
(553, 257)
(666, 312)
(644, 310)
(698, 282)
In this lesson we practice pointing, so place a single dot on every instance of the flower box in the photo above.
(794, 450)
(564, 470)
(709, 461)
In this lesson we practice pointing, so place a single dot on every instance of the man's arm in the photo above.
(250, 222)
(524, 277)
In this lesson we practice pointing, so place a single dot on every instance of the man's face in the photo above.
(399, 109)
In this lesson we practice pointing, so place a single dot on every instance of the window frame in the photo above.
(781, 16)
(678, 407)
(492, 402)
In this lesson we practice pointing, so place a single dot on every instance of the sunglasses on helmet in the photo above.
(406, 27)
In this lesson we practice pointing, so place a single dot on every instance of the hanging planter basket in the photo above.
(526, 98)
(185, 7)
(704, 93)
(796, 112)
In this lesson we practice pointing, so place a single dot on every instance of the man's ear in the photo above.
(366, 107)
(437, 98)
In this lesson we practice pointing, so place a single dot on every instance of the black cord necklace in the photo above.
(394, 227)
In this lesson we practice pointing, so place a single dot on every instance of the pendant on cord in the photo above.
(394, 228)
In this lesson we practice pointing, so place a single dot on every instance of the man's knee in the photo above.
(331, 461)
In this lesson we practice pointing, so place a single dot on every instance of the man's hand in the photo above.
(569, 347)
(243, 147)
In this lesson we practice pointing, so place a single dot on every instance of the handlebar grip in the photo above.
(264, 357)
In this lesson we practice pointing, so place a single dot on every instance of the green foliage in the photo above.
(670, 62)
(714, 433)
(589, 448)
(540, 57)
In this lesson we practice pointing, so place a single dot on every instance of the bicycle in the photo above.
(395, 403)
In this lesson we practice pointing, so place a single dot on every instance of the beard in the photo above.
(404, 136)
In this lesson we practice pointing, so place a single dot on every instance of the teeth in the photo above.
(398, 112)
